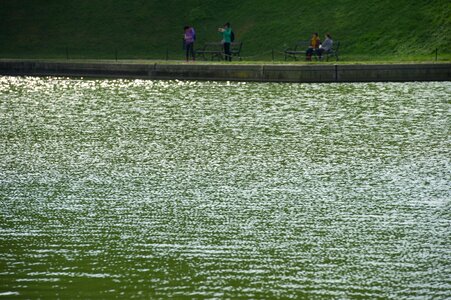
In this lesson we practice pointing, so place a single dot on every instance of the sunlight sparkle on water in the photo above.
(162, 189)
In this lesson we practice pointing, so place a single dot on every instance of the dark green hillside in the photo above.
(374, 30)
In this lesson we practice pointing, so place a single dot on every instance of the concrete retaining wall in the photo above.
(264, 73)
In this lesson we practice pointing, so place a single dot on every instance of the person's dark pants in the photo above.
(309, 53)
(320, 52)
(189, 48)
(227, 52)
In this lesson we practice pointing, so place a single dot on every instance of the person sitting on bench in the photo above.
(325, 46)
(314, 45)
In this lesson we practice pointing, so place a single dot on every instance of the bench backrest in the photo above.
(235, 46)
(212, 46)
(301, 45)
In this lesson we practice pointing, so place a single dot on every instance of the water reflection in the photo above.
(137, 189)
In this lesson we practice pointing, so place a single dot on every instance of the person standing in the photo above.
(314, 45)
(189, 38)
(227, 40)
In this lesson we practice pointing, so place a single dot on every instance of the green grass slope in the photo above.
(367, 30)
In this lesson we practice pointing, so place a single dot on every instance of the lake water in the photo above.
(168, 189)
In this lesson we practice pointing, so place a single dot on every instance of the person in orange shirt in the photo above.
(314, 45)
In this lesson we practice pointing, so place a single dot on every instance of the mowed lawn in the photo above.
(402, 30)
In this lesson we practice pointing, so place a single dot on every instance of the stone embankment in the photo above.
(232, 72)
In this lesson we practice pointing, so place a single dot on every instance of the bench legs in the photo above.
(332, 55)
(291, 55)
(318, 58)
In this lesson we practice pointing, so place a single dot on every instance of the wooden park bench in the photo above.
(300, 49)
(215, 50)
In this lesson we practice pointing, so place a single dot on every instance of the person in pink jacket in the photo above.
(188, 39)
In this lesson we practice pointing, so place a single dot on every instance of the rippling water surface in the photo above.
(157, 189)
